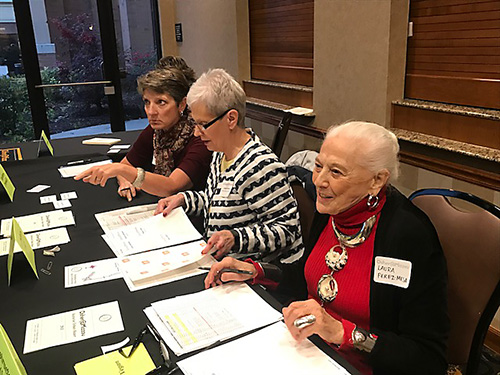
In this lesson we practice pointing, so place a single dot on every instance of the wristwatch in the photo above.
(363, 340)
(139, 179)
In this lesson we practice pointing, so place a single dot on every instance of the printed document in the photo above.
(37, 222)
(124, 216)
(154, 233)
(73, 170)
(91, 272)
(197, 320)
(276, 350)
(38, 240)
(72, 326)
(162, 266)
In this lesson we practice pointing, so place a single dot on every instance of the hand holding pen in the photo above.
(229, 269)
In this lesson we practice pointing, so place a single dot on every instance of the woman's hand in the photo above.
(215, 277)
(98, 175)
(223, 241)
(126, 189)
(166, 205)
(329, 328)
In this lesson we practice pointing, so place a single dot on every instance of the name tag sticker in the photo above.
(225, 188)
(392, 271)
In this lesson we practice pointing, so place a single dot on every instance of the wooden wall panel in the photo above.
(282, 40)
(454, 53)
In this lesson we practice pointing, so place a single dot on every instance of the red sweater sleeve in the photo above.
(194, 160)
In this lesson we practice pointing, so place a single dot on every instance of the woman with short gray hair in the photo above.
(248, 203)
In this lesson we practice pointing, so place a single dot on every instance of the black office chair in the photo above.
(280, 136)
(471, 244)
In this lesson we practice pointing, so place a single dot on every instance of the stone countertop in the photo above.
(468, 149)
(281, 85)
(485, 113)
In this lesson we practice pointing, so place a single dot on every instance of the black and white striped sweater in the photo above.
(253, 198)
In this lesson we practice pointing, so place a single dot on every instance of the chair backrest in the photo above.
(306, 207)
(280, 136)
(471, 244)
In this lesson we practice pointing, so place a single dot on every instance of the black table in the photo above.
(28, 298)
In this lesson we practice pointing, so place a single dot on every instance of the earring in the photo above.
(372, 202)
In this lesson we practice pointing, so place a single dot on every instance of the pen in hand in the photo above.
(233, 270)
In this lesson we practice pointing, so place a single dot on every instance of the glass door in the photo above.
(77, 56)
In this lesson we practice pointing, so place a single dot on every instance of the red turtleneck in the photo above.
(352, 305)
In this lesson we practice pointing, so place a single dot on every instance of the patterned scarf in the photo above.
(170, 142)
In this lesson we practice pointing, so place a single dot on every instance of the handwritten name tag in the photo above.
(392, 271)
(225, 188)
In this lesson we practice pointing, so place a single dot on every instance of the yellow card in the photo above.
(114, 363)
(47, 142)
(7, 183)
(17, 235)
(9, 360)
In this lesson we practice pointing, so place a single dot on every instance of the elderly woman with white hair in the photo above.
(372, 281)
(248, 203)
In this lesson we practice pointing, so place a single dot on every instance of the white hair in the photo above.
(377, 149)
(219, 92)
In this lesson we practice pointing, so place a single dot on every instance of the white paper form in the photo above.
(91, 272)
(156, 232)
(160, 266)
(276, 349)
(36, 222)
(73, 170)
(38, 240)
(195, 321)
(72, 326)
(124, 216)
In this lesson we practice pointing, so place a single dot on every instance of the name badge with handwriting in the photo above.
(392, 271)
(225, 188)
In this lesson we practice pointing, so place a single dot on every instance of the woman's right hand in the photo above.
(166, 205)
(126, 189)
(215, 277)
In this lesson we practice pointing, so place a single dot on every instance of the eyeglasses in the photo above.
(140, 338)
(210, 123)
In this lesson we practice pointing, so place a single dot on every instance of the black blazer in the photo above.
(412, 324)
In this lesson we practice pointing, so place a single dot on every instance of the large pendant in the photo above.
(327, 288)
(335, 260)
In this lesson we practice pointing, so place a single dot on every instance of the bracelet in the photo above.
(140, 178)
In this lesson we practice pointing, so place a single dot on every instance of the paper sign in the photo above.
(47, 142)
(17, 235)
(7, 183)
(114, 363)
(392, 271)
(9, 360)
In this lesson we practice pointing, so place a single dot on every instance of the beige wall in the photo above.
(215, 34)
(359, 55)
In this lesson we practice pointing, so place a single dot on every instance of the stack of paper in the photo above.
(124, 216)
(164, 265)
(197, 320)
(38, 240)
(154, 233)
(36, 222)
(274, 347)
(101, 141)
(73, 170)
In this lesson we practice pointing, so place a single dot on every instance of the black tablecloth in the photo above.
(28, 298)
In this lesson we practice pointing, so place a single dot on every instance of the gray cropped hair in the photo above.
(377, 149)
(219, 92)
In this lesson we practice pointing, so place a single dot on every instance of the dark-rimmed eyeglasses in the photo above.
(210, 123)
